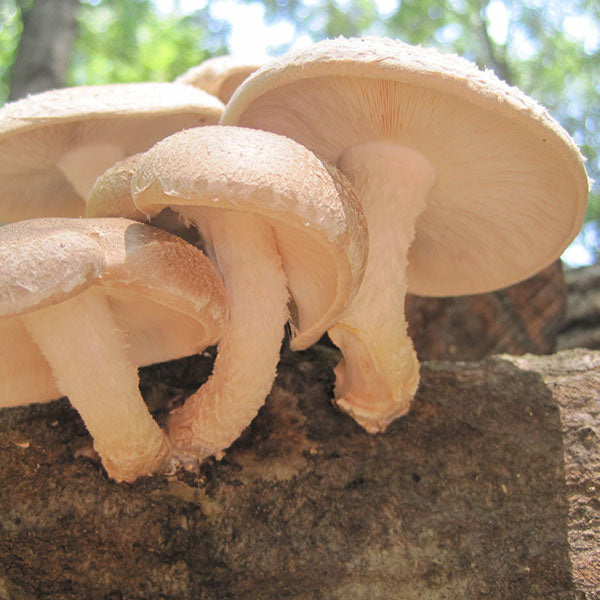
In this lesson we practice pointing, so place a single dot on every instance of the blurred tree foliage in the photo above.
(548, 48)
(10, 32)
(130, 41)
(120, 41)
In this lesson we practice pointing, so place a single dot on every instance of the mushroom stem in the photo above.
(103, 387)
(84, 164)
(245, 250)
(379, 372)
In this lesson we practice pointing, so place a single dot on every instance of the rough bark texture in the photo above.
(526, 317)
(45, 48)
(487, 489)
(582, 323)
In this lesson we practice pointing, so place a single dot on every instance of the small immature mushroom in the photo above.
(53, 145)
(83, 304)
(110, 196)
(220, 75)
(467, 185)
(277, 221)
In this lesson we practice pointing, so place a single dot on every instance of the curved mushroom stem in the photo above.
(246, 252)
(84, 164)
(379, 374)
(86, 350)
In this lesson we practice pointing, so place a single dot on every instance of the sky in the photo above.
(250, 35)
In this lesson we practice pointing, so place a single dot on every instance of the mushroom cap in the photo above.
(165, 295)
(111, 194)
(220, 75)
(37, 131)
(510, 190)
(319, 227)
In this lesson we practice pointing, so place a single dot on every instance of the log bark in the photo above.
(526, 317)
(582, 323)
(487, 489)
(45, 48)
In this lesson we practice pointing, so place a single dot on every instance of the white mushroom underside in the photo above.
(497, 184)
(152, 332)
(32, 183)
(155, 332)
(83, 164)
(313, 281)
(18, 355)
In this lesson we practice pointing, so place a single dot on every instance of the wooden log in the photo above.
(488, 489)
(582, 323)
(525, 317)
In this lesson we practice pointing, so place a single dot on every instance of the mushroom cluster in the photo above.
(334, 180)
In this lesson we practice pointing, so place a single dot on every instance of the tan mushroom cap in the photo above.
(321, 239)
(111, 194)
(51, 141)
(164, 294)
(220, 75)
(510, 186)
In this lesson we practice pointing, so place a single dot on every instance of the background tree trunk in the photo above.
(45, 48)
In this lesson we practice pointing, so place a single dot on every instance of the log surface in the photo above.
(489, 488)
